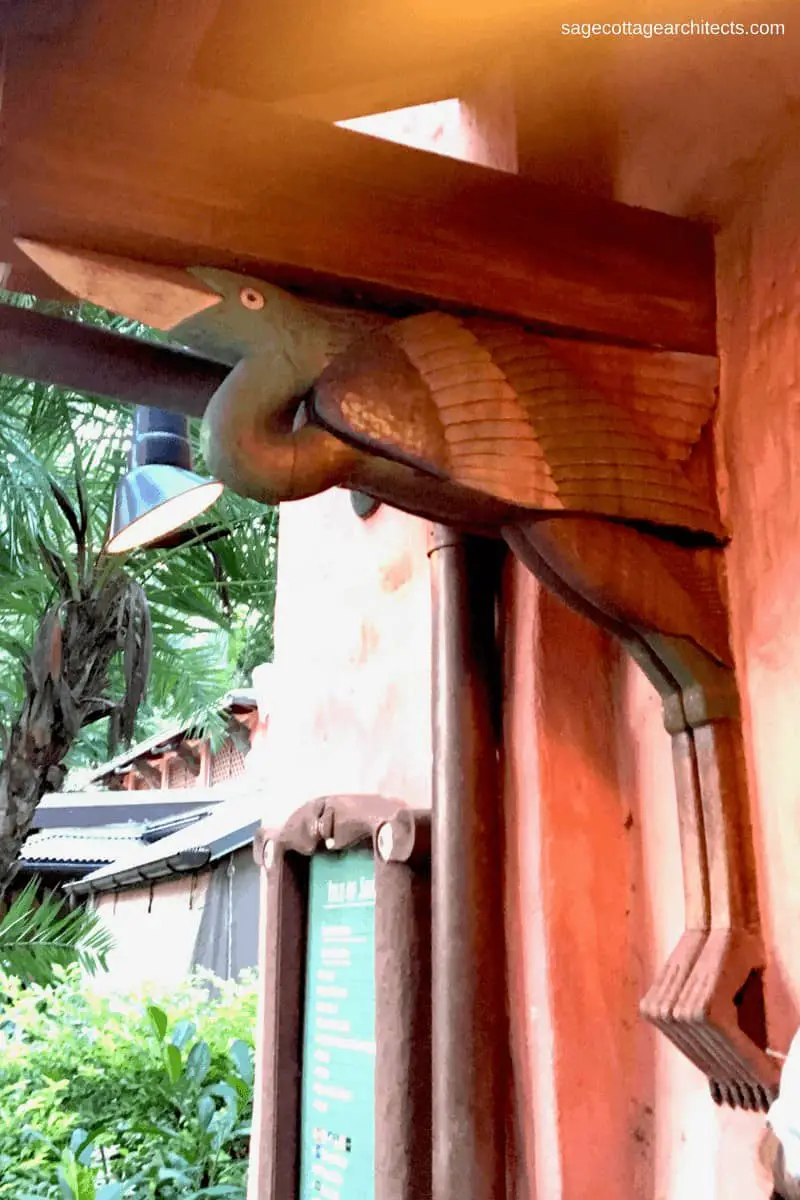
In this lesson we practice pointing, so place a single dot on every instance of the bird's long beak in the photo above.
(161, 297)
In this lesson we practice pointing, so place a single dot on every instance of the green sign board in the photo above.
(337, 1117)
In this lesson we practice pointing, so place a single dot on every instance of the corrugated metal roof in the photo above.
(228, 828)
(59, 810)
(101, 845)
(104, 843)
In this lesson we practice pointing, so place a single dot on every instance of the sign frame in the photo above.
(400, 838)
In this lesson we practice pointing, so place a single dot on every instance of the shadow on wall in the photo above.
(227, 939)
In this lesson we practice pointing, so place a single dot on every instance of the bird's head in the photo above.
(257, 439)
(239, 317)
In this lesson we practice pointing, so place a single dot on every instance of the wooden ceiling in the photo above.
(182, 130)
(584, 106)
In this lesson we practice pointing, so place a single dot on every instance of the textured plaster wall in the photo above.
(351, 681)
(697, 1150)
(759, 269)
(593, 873)
(583, 1063)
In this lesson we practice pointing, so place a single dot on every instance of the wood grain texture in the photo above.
(494, 408)
(207, 178)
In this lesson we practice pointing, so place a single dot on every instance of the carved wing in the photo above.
(531, 421)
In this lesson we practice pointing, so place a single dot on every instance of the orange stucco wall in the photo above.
(759, 263)
(593, 881)
(606, 1106)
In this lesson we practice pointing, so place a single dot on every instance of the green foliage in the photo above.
(36, 936)
(106, 1097)
(211, 600)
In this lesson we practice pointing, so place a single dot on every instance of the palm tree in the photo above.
(37, 935)
(94, 649)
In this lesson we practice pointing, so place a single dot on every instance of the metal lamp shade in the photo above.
(152, 502)
(159, 492)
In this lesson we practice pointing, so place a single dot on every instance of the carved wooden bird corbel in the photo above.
(593, 463)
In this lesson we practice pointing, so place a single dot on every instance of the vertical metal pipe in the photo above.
(469, 1029)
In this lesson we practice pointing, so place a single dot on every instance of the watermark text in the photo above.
(652, 29)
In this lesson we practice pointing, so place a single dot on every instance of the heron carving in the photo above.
(593, 463)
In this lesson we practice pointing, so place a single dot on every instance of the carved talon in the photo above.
(694, 1003)
(683, 1038)
(658, 1005)
(726, 1063)
(664, 994)
(713, 1002)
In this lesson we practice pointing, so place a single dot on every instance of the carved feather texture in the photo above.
(535, 422)
(672, 395)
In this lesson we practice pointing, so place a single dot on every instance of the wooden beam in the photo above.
(190, 758)
(180, 176)
(153, 776)
(275, 51)
(187, 40)
(164, 39)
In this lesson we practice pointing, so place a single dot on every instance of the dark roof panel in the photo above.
(227, 828)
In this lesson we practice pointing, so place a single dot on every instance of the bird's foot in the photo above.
(659, 1004)
(722, 1004)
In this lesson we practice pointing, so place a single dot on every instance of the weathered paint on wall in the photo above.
(760, 441)
(759, 266)
(589, 1073)
(352, 663)
(582, 1062)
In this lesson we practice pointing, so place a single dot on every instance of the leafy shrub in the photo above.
(105, 1097)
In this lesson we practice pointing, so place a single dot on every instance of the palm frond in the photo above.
(36, 936)
(210, 599)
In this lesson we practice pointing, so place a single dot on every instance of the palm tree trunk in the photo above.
(66, 688)
(31, 767)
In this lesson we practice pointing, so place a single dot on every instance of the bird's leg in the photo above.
(662, 1005)
(666, 991)
(722, 999)
(659, 1003)
(631, 585)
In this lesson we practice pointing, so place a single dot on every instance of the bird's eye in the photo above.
(251, 298)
